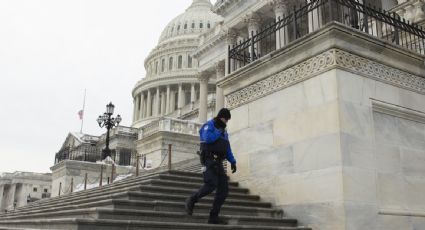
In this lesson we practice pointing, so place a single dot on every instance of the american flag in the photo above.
(81, 114)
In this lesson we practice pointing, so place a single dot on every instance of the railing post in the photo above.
(228, 60)
(294, 14)
(72, 184)
(101, 176)
(60, 188)
(331, 15)
(396, 37)
(85, 181)
(365, 19)
(137, 164)
(252, 46)
(112, 172)
(169, 157)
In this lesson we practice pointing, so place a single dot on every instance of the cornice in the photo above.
(331, 59)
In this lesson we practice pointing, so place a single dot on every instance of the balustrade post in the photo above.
(101, 176)
(169, 157)
(85, 181)
(60, 188)
(137, 164)
(72, 184)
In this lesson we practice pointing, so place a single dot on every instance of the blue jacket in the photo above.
(209, 134)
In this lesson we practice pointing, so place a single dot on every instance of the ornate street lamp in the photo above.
(106, 120)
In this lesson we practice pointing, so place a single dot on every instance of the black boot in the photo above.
(189, 205)
(214, 219)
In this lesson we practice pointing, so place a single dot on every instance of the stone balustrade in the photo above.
(167, 124)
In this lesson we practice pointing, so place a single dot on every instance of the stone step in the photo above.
(148, 215)
(96, 224)
(199, 180)
(167, 191)
(181, 184)
(169, 206)
(140, 196)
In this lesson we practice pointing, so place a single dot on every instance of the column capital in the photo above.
(280, 7)
(203, 77)
(253, 19)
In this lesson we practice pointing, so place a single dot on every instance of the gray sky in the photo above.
(50, 50)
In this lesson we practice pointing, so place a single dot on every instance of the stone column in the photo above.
(192, 95)
(230, 41)
(314, 19)
(1, 197)
(180, 97)
(136, 102)
(167, 106)
(149, 104)
(219, 94)
(203, 98)
(280, 8)
(172, 101)
(163, 101)
(142, 107)
(253, 22)
(157, 102)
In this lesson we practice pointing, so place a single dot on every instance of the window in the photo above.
(45, 190)
(34, 189)
(193, 25)
(201, 25)
(170, 64)
(185, 26)
(189, 61)
(162, 65)
(156, 67)
(178, 27)
(180, 62)
(208, 25)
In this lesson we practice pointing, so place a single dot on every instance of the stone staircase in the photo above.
(154, 200)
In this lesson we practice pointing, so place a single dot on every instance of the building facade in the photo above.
(20, 188)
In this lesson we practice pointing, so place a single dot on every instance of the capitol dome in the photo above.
(171, 86)
(197, 19)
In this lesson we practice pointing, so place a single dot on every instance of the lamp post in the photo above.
(106, 120)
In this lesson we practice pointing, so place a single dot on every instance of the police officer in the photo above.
(215, 148)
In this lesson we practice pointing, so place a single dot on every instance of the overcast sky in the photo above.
(51, 50)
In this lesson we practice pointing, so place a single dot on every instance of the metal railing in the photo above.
(309, 17)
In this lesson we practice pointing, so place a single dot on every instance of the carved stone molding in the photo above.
(330, 59)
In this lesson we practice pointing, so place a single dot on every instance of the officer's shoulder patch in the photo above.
(206, 128)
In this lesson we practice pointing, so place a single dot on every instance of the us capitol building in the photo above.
(327, 100)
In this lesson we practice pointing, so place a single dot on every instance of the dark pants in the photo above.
(214, 178)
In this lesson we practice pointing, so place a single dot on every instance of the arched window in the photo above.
(178, 27)
(189, 61)
(180, 62)
(185, 26)
(170, 64)
(162, 65)
(201, 25)
(208, 25)
(193, 25)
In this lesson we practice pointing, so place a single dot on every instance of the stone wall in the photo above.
(334, 135)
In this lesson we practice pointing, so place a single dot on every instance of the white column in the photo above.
(280, 8)
(167, 106)
(136, 102)
(219, 94)
(163, 101)
(192, 95)
(203, 98)
(172, 101)
(157, 102)
(180, 97)
(142, 106)
(1, 197)
(149, 104)
(314, 19)
(253, 22)
(230, 41)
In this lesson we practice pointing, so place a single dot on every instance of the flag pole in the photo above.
(84, 105)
